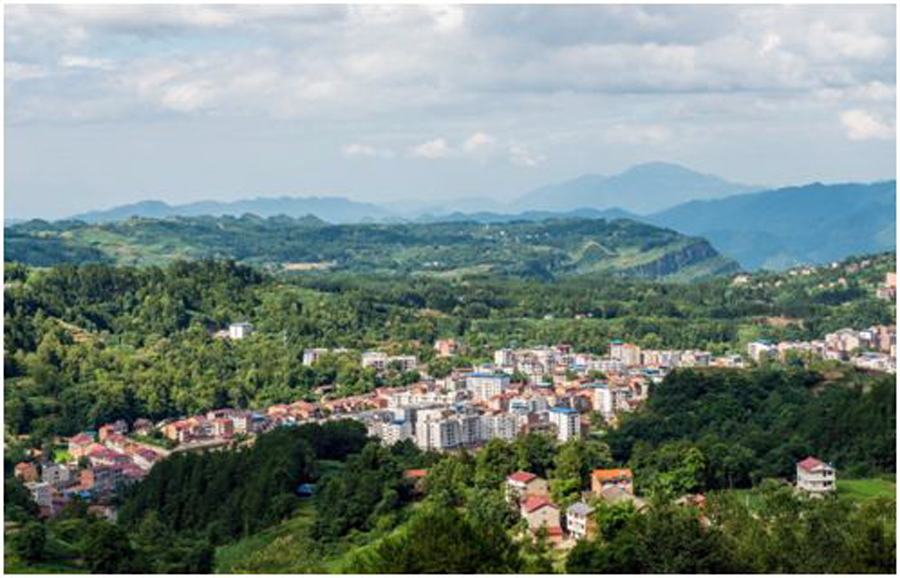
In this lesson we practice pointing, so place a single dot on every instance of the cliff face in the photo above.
(695, 254)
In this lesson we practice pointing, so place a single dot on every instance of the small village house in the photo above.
(622, 479)
(815, 476)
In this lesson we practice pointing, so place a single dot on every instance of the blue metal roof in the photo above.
(563, 410)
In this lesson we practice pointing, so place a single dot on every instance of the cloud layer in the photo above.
(522, 87)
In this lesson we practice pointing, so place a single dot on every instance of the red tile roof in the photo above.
(811, 463)
(415, 473)
(535, 503)
(523, 477)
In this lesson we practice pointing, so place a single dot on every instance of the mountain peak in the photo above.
(643, 188)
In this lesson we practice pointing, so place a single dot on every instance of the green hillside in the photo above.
(547, 249)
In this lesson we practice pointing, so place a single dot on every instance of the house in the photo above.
(579, 522)
(616, 495)
(143, 427)
(446, 347)
(239, 330)
(815, 476)
(145, 458)
(55, 474)
(101, 478)
(79, 445)
(27, 471)
(621, 478)
(42, 493)
(539, 511)
(522, 485)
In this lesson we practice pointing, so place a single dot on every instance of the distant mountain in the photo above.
(545, 249)
(784, 227)
(643, 189)
(490, 217)
(331, 209)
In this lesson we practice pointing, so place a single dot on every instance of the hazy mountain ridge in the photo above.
(783, 227)
(332, 209)
(644, 188)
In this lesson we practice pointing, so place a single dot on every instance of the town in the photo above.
(549, 390)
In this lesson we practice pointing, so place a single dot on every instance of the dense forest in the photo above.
(88, 344)
(541, 250)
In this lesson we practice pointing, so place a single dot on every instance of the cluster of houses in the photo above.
(874, 348)
(216, 426)
(530, 494)
(98, 463)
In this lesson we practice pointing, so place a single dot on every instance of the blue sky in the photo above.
(107, 105)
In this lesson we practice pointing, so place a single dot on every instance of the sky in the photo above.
(107, 105)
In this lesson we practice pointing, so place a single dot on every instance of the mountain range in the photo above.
(771, 229)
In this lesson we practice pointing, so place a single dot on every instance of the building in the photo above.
(55, 474)
(567, 422)
(80, 444)
(42, 493)
(539, 511)
(239, 330)
(446, 347)
(27, 471)
(522, 485)
(617, 478)
(579, 522)
(484, 386)
(375, 359)
(310, 356)
(628, 354)
(815, 476)
(760, 351)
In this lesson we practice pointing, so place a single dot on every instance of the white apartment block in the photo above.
(568, 424)
(484, 386)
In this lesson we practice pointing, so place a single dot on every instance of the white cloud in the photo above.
(364, 150)
(523, 156)
(478, 141)
(87, 62)
(17, 71)
(862, 125)
(636, 134)
(433, 149)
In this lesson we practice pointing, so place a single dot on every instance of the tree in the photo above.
(106, 549)
(30, 542)
(440, 540)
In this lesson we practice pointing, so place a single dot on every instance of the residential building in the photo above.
(539, 511)
(239, 330)
(578, 521)
(42, 493)
(27, 471)
(618, 478)
(522, 485)
(55, 474)
(484, 386)
(567, 422)
(816, 476)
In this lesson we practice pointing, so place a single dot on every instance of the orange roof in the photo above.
(415, 473)
(611, 474)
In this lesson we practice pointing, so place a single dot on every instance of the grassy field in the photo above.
(866, 489)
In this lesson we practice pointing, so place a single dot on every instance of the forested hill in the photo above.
(550, 248)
